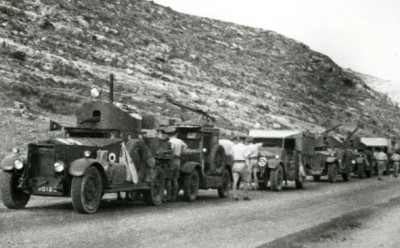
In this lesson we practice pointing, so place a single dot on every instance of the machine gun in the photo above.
(330, 129)
(205, 115)
(347, 142)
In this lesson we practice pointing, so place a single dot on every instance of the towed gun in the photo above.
(205, 115)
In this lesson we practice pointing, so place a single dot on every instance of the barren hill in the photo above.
(53, 51)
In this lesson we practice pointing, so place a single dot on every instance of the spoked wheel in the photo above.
(12, 196)
(276, 179)
(223, 191)
(191, 186)
(332, 172)
(155, 195)
(86, 191)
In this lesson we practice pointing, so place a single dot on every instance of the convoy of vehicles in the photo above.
(110, 151)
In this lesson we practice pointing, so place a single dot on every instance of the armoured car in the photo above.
(288, 153)
(104, 153)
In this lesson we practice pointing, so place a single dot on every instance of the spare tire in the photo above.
(217, 160)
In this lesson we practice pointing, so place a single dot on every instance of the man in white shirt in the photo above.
(252, 155)
(177, 146)
(396, 162)
(381, 160)
(240, 167)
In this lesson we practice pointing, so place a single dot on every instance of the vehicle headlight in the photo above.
(15, 150)
(18, 164)
(277, 156)
(204, 149)
(353, 161)
(87, 154)
(332, 155)
(59, 166)
(95, 92)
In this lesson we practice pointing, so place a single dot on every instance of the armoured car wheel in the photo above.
(86, 191)
(155, 195)
(276, 179)
(223, 191)
(317, 178)
(217, 159)
(191, 186)
(332, 172)
(12, 196)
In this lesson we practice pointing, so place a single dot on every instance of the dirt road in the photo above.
(270, 219)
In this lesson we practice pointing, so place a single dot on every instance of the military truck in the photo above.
(104, 153)
(288, 153)
(204, 165)
(332, 157)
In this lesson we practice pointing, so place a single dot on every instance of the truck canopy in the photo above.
(375, 142)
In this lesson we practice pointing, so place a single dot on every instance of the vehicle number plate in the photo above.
(46, 189)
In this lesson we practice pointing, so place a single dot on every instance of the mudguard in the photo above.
(273, 163)
(7, 164)
(79, 166)
(189, 167)
(331, 159)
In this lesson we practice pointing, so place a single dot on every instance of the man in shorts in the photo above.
(381, 160)
(240, 168)
(252, 155)
(396, 162)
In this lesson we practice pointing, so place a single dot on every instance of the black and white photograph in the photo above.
(200, 123)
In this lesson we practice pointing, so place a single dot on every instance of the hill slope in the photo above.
(53, 51)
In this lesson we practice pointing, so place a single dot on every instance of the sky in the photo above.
(363, 35)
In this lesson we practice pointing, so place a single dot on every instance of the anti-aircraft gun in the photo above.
(104, 153)
(204, 165)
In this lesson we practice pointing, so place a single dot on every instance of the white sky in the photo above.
(363, 35)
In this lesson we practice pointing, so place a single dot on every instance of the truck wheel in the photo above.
(223, 191)
(86, 191)
(12, 196)
(191, 186)
(217, 159)
(276, 179)
(155, 195)
(332, 172)
(317, 178)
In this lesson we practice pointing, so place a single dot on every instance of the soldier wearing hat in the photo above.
(396, 162)
(240, 166)
(177, 146)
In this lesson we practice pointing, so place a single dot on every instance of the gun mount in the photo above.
(205, 115)
(324, 140)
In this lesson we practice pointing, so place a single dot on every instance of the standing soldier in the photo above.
(252, 156)
(381, 160)
(240, 167)
(177, 146)
(396, 162)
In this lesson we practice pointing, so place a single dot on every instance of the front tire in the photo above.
(332, 173)
(86, 191)
(223, 191)
(12, 196)
(155, 195)
(191, 186)
(276, 179)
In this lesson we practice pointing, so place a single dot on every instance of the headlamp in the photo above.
(277, 156)
(95, 92)
(18, 164)
(87, 154)
(353, 161)
(59, 166)
(15, 150)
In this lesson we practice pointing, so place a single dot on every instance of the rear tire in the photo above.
(276, 179)
(217, 160)
(332, 172)
(12, 196)
(86, 191)
(223, 191)
(154, 196)
(191, 186)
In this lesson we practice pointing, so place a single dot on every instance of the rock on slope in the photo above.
(53, 51)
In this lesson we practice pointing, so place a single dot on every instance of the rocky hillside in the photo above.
(53, 51)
